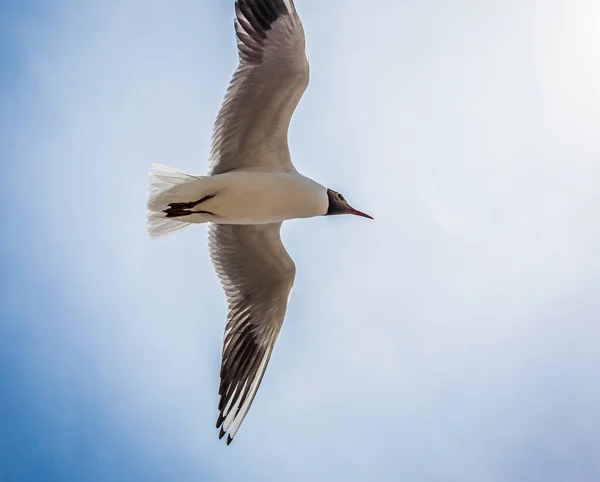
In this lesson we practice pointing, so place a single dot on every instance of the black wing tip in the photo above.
(261, 14)
(220, 420)
(222, 434)
(271, 6)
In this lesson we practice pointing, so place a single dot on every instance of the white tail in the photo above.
(165, 186)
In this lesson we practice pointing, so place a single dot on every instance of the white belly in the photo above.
(259, 197)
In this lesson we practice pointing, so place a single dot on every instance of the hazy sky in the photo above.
(454, 338)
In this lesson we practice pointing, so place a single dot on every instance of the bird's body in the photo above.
(255, 197)
(252, 188)
(266, 197)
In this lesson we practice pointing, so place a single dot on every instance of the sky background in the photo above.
(454, 338)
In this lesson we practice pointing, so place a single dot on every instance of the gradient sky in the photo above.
(454, 338)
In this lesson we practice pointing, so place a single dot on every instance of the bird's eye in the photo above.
(340, 197)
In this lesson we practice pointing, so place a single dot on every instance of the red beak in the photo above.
(356, 212)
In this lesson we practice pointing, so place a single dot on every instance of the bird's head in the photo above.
(339, 205)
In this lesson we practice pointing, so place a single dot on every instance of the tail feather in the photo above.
(159, 224)
(168, 187)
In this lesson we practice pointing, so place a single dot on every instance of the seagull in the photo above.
(252, 187)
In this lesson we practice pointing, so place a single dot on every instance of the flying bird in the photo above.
(252, 187)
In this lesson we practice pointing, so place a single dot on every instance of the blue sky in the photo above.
(455, 338)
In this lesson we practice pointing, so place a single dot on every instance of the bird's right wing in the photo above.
(252, 126)
(257, 275)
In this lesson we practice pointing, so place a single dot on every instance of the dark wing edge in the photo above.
(242, 371)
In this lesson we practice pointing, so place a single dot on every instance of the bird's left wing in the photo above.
(252, 126)
(257, 275)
